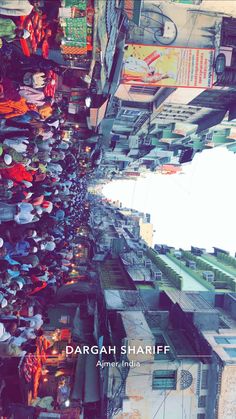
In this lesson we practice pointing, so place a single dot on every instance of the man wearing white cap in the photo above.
(14, 287)
(48, 245)
(3, 301)
(4, 336)
(35, 322)
(18, 144)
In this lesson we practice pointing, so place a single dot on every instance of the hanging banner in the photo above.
(151, 65)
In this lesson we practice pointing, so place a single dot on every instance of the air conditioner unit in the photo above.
(148, 263)
(158, 275)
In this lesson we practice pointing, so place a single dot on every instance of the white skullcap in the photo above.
(20, 285)
(26, 34)
(7, 159)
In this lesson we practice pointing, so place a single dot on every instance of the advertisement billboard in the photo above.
(153, 65)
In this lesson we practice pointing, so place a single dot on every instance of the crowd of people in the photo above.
(42, 195)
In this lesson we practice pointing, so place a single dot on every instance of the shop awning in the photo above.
(86, 381)
(97, 114)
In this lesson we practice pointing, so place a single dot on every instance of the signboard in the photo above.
(151, 65)
(133, 10)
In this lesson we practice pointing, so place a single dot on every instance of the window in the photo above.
(148, 263)
(209, 136)
(223, 325)
(128, 115)
(231, 352)
(144, 90)
(202, 401)
(164, 379)
(158, 275)
(204, 381)
(147, 140)
(131, 112)
(231, 340)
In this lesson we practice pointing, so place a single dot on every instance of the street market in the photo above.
(45, 164)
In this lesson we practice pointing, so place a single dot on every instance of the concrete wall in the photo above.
(227, 404)
(230, 305)
(143, 402)
(190, 26)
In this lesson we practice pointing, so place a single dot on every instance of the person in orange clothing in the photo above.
(17, 173)
(11, 108)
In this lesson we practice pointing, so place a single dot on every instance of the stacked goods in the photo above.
(45, 48)
(80, 4)
(78, 29)
(50, 88)
(35, 24)
(73, 50)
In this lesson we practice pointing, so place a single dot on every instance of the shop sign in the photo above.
(133, 10)
(151, 65)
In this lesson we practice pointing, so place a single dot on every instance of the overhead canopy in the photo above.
(97, 114)
(86, 382)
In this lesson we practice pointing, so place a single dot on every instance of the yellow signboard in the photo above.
(153, 65)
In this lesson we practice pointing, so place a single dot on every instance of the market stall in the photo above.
(38, 27)
(76, 19)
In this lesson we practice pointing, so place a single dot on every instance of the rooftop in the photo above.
(123, 300)
(136, 326)
(114, 276)
(190, 301)
(139, 273)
